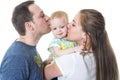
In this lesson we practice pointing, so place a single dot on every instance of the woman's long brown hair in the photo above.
(93, 23)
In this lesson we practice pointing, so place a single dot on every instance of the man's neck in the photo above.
(28, 41)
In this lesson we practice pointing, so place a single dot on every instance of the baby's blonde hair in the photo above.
(60, 14)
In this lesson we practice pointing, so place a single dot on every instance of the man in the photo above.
(22, 61)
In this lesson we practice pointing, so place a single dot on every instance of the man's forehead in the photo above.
(35, 8)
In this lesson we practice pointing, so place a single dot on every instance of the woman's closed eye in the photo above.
(73, 25)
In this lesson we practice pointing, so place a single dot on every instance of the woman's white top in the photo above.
(76, 67)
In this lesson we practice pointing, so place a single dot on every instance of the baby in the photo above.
(59, 46)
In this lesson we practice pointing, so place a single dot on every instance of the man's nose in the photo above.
(47, 17)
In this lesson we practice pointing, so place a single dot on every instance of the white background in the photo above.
(109, 9)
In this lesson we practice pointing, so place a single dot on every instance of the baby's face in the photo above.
(59, 27)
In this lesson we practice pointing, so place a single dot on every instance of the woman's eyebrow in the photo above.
(74, 21)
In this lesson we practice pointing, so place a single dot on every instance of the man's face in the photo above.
(40, 20)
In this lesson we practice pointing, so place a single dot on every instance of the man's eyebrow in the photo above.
(41, 11)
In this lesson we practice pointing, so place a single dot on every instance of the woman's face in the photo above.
(75, 31)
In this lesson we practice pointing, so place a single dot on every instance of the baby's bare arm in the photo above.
(59, 52)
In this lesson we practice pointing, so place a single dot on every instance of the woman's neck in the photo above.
(86, 45)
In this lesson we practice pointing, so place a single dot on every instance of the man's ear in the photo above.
(29, 26)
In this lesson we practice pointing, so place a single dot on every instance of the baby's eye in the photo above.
(54, 28)
(62, 26)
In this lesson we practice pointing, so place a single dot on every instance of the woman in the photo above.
(97, 61)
